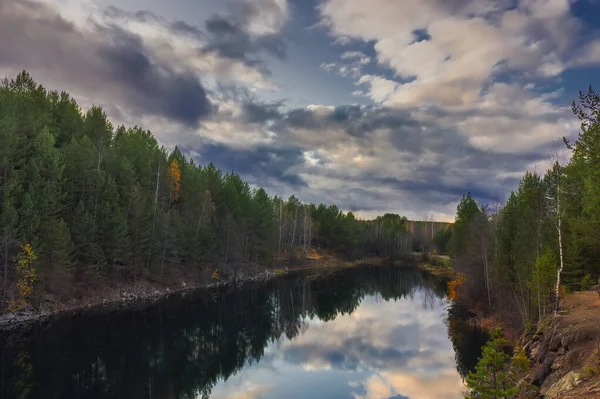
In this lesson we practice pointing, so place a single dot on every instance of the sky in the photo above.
(379, 106)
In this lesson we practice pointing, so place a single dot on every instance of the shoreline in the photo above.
(143, 294)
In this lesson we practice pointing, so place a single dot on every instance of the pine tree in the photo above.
(490, 380)
(89, 256)
(58, 247)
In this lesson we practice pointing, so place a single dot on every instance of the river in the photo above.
(365, 332)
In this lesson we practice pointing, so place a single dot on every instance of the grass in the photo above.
(591, 371)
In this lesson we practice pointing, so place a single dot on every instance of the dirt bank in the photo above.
(146, 290)
(565, 350)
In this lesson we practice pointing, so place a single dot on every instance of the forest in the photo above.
(518, 258)
(86, 202)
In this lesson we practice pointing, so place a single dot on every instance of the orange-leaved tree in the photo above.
(454, 285)
(175, 187)
(27, 277)
(174, 179)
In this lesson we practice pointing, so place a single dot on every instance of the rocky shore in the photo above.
(136, 297)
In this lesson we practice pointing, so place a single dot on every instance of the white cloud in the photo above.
(361, 58)
(354, 62)
(468, 40)
(268, 16)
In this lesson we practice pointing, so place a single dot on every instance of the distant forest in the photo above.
(83, 201)
(520, 257)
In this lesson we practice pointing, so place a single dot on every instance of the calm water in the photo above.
(359, 333)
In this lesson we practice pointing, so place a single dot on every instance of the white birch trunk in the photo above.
(280, 216)
(295, 224)
(560, 249)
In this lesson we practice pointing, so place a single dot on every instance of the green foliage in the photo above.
(466, 213)
(490, 379)
(587, 282)
(442, 240)
(497, 374)
(544, 280)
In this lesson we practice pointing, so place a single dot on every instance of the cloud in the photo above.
(230, 39)
(154, 88)
(262, 166)
(359, 56)
(381, 159)
(112, 63)
(354, 62)
(467, 44)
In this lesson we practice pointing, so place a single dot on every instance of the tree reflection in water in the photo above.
(182, 347)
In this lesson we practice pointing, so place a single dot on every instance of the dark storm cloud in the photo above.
(228, 36)
(260, 165)
(106, 61)
(156, 88)
(256, 112)
(229, 40)
(184, 27)
(356, 120)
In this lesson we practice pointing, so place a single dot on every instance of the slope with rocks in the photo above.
(565, 349)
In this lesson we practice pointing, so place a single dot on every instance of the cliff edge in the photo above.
(565, 350)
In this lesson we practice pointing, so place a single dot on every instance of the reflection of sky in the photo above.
(382, 350)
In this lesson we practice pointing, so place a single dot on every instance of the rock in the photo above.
(568, 382)
(561, 351)
(555, 342)
(558, 361)
(534, 350)
(543, 371)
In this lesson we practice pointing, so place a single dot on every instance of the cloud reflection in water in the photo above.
(384, 349)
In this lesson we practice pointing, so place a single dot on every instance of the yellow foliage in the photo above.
(562, 291)
(454, 285)
(27, 276)
(279, 272)
(215, 274)
(520, 359)
(314, 254)
(175, 179)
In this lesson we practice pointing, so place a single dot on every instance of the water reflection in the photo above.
(358, 333)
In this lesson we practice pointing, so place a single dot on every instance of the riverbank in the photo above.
(148, 290)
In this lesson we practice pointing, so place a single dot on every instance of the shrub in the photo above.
(587, 282)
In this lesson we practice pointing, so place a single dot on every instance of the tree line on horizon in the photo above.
(83, 201)
(520, 257)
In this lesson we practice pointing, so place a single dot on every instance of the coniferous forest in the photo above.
(84, 201)
(520, 257)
